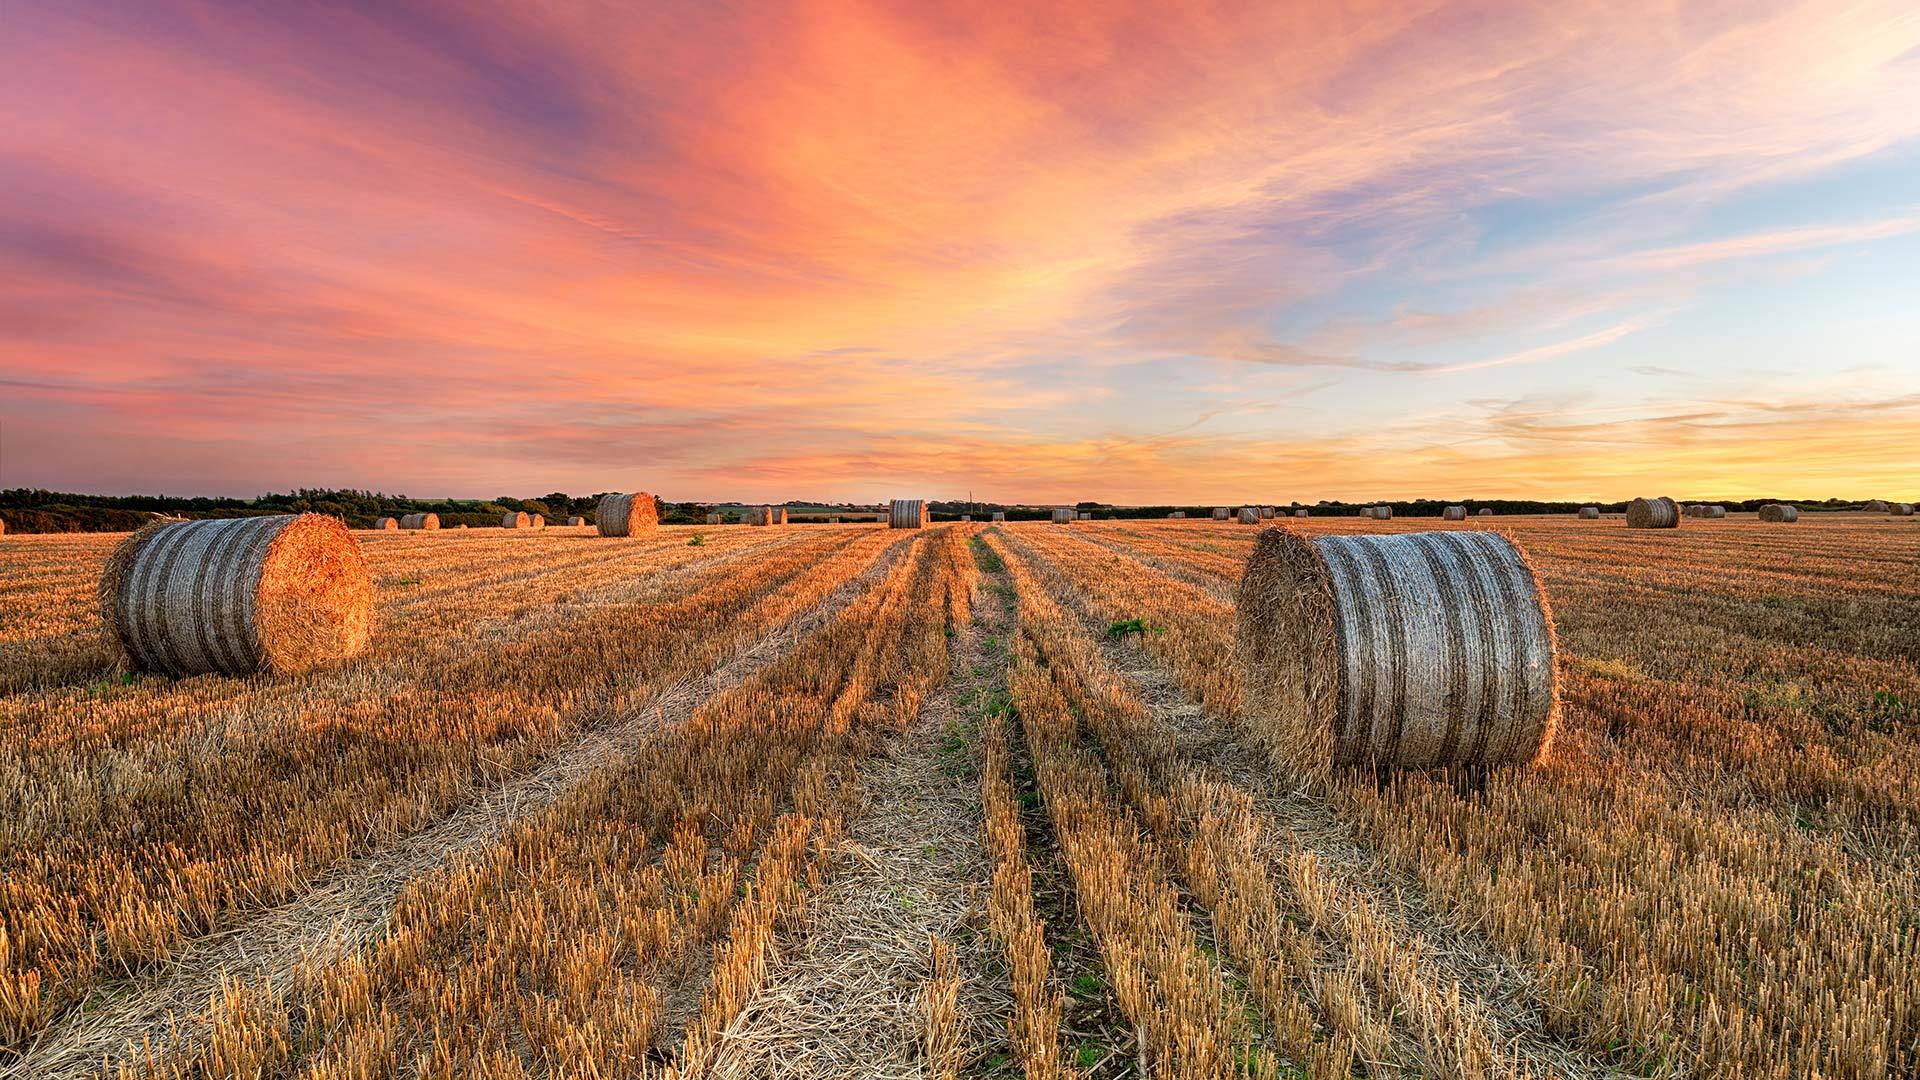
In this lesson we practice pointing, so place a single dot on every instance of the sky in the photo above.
(1133, 252)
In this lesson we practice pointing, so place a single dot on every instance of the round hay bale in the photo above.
(1220, 513)
(1779, 512)
(515, 520)
(713, 518)
(779, 515)
(420, 521)
(1383, 513)
(1266, 513)
(1249, 515)
(386, 524)
(1086, 515)
(1300, 513)
(1454, 513)
(1589, 513)
(238, 596)
(1414, 650)
(1177, 514)
(574, 521)
(907, 514)
(537, 521)
(1660, 513)
(1875, 506)
(626, 514)
(999, 515)
(1900, 509)
(1485, 511)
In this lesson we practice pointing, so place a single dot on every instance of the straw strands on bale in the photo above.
(238, 596)
(1660, 513)
(515, 520)
(386, 524)
(1249, 515)
(1061, 513)
(1589, 513)
(1454, 513)
(1780, 512)
(1416, 650)
(907, 514)
(626, 514)
(420, 521)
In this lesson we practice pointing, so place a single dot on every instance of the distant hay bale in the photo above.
(1063, 514)
(1876, 506)
(963, 517)
(1382, 513)
(1454, 513)
(760, 515)
(779, 515)
(575, 521)
(1177, 513)
(515, 520)
(1715, 511)
(1660, 513)
(238, 596)
(537, 521)
(1086, 515)
(907, 514)
(1300, 513)
(1780, 512)
(460, 526)
(1900, 509)
(999, 515)
(1249, 515)
(424, 522)
(1414, 650)
(1589, 513)
(386, 524)
(630, 513)
(1266, 513)
(713, 518)
(1220, 513)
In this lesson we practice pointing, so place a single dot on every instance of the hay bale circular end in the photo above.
(626, 514)
(238, 596)
(1416, 650)
(386, 524)
(1659, 513)
(420, 521)
(515, 520)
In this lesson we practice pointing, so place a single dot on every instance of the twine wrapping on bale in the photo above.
(626, 514)
(386, 524)
(1220, 513)
(1454, 513)
(1900, 509)
(1249, 515)
(514, 520)
(1660, 513)
(1414, 650)
(238, 596)
(907, 514)
(420, 521)
(1588, 513)
(1780, 512)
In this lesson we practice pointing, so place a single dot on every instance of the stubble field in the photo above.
(838, 800)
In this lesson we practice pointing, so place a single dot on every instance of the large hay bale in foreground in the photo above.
(238, 596)
(1588, 513)
(1413, 650)
(1249, 515)
(420, 521)
(1220, 513)
(386, 524)
(1780, 512)
(1062, 514)
(1660, 513)
(626, 514)
(1454, 513)
(907, 514)
(515, 520)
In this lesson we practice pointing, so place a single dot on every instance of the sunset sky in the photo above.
(1136, 253)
